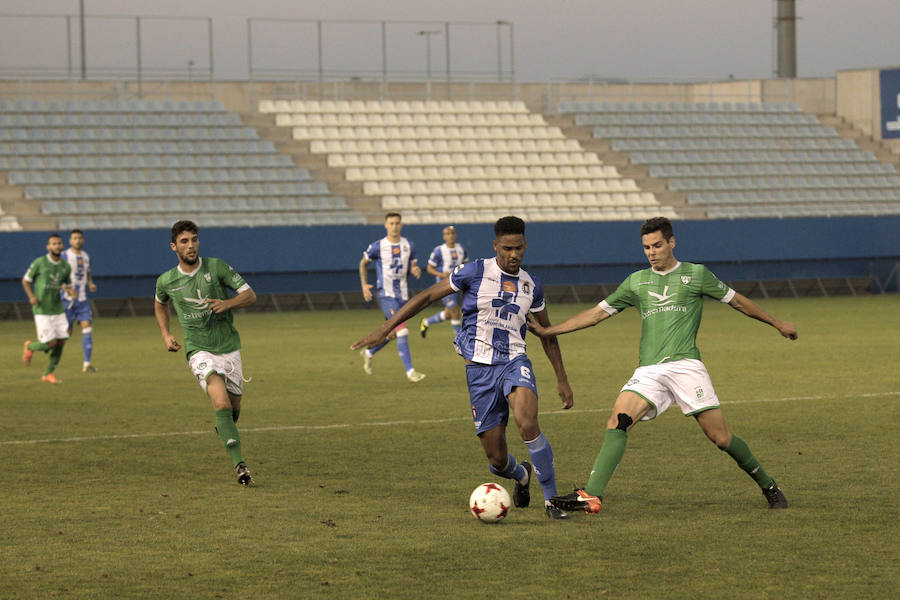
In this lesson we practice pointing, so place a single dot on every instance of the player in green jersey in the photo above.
(197, 289)
(49, 274)
(669, 296)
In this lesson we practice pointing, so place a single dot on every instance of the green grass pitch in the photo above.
(115, 485)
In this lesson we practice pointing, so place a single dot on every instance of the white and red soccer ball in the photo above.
(490, 502)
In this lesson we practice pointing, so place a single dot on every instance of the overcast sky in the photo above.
(559, 39)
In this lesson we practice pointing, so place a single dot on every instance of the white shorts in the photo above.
(203, 364)
(685, 382)
(51, 327)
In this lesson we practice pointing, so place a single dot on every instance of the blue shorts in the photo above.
(389, 305)
(489, 385)
(450, 301)
(78, 311)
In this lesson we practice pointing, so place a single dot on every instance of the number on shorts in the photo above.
(526, 372)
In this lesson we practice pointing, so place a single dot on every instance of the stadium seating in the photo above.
(744, 159)
(98, 164)
(463, 161)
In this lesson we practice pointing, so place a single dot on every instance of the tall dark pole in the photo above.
(83, 43)
(786, 28)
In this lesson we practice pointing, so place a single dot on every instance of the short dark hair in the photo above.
(53, 235)
(509, 226)
(661, 224)
(74, 231)
(392, 214)
(182, 226)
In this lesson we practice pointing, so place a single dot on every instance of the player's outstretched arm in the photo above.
(162, 319)
(753, 310)
(416, 304)
(584, 319)
(554, 354)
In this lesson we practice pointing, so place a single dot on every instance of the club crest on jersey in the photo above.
(526, 288)
(208, 277)
(685, 279)
(509, 286)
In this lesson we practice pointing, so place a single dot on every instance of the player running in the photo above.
(78, 308)
(197, 291)
(497, 294)
(394, 257)
(49, 274)
(443, 260)
(669, 296)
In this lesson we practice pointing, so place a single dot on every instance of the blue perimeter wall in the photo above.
(325, 258)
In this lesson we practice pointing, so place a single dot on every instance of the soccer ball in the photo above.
(490, 502)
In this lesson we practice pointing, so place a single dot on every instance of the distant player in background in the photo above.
(444, 259)
(49, 274)
(394, 257)
(497, 295)
(669, 296)
(197, 288)
(78, 308)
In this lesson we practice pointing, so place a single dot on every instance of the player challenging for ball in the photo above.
(497, 294)
(669, 296)
(197, 289)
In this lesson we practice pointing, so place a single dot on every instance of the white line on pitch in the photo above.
(125, 436)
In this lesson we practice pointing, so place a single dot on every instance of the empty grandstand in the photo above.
(746, 159)
(463, 161)
(137, 164)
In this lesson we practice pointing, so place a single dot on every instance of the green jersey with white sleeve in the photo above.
(190, 294)
(671, 306)
(48, 276)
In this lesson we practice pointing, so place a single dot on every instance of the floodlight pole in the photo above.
(82, 40)
(427, 33)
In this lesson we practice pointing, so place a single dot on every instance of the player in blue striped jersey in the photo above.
(497, 296)
(78, 307)
(394, 257)
(444, 259)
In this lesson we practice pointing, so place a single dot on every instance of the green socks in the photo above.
(743, 456)
(55, 355)
(38, 347)
(611, 453)
(229, 435)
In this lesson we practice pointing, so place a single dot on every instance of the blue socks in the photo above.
(513, 469)
(542, 460)
(403, 350)
(435, 319)
(87, 343)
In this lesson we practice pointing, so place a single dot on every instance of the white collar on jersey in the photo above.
(55, 262)
(677, 264)
(191, 274)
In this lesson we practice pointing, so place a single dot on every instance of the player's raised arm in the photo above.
(554, 354)
(753, 310)
(584, 319)
(416, 304)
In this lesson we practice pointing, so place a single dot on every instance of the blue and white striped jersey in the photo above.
(446, 259)
(392, 262)
(494, 307)
(81, 264)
